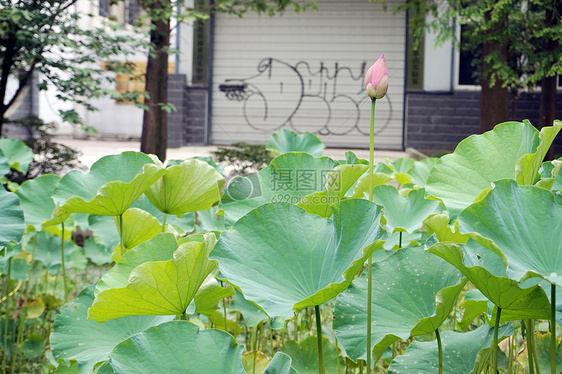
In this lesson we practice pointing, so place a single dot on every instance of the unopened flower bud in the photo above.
(376, 79)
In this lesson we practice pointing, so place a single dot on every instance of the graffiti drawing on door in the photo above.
(304, 99)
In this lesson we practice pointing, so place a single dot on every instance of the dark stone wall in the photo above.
(438, 122)
(176, 96)
(195, 119)
(186, 126)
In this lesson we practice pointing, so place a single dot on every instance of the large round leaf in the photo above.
(284, 141)
(288, 178)
(138, 227)
(12, 223)
(18, 154)
(89, 342)
(158, 288)
(304, 355)
(413, 293)
(280, 364)
(160, 248)
(458, 178)
(488, 273)
(110, 187)
(190, 186)
(459, 352)
(35, 199)
(177, 347)
(404, 213)
(525, 223)
(285, 259)
(338, 183)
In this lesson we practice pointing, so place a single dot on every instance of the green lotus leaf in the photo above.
(252, 313)
(529, 241)
(288, 178)
(35, 199)
(110, 187)
(138, 226)
(18, 154)
(280, 364)
(182, 225)
(352, 159)
(89, 342)
(12, 223)
(488, 273)
(338, 182)
(33, 346)
(527, 167)
(285, 259)
(48, 250)
(542, 341)
(404, 213)
(283, 141)
(4, 167)
(304, 355)
(210, 294)
(401, 167)
(419, 172)
(105, 229)
(413, 293)
(177, 347)
(190, 186)
(158, 288)
(160, 248)
(438, 224)
(97, 252)
(361, 189)
(473, 305)
(460, 351)
(255, 362)
(458, 178)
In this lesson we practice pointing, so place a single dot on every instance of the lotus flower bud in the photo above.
(376, 79)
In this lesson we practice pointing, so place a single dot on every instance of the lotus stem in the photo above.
(495, 341)
(338, 355)
(321, 369)
(439, 350)
(121, 234)
(370, 261)
(6, 314)
(530, 345)
(400, 240)
(553, 328)
(63, 265)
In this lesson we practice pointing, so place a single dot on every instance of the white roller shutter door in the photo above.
(305, 72)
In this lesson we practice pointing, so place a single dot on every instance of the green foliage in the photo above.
(245, 158)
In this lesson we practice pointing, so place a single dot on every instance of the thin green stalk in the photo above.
(400, 240)
(530, 345)
(63, 266)
(553, 329)
(6, 314)
(439, 350)
(271, 339)
(321, 369)
(495, 342)
(121, 234)
(370, 261)
(164, 222)
(338, 355)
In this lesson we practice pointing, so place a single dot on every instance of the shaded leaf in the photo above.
(18, 154)
(285, 259)
(283, 141)
(12, 224)
(304, 355)
(413, 294)
(178, 347)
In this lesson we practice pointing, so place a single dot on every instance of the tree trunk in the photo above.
(494, 100)
(155, 119)
(547, 109)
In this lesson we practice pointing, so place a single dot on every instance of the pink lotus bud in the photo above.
(376, 79)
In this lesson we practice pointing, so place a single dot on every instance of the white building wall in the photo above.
(305, 72)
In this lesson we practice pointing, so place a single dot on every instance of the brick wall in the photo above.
(438, 122)
(176, 96)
